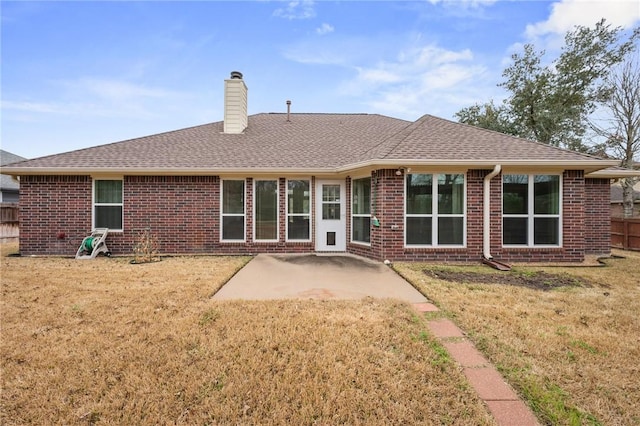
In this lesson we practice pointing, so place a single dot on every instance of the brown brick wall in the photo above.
(390, 199)
(55, 213)
(598, 216)
(184, 212)
(373, 249)
(573, 225)
(390, 235)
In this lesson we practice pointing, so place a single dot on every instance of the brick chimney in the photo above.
(235, 104)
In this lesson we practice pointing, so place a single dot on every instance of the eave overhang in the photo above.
(594, 168)
(614, 173)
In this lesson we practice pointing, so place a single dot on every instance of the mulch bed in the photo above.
(535, 280)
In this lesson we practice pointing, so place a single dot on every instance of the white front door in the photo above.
(331, 225)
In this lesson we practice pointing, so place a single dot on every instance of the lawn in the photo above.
(568, 341)
(105, 341)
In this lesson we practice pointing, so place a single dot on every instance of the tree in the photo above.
(622, 130)
(552, 103)
(488, 116)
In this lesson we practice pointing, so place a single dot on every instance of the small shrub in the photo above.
(146, 248)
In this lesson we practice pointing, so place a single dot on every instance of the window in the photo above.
(298, 210)
(531, 210)
(434, 210)
(107, 204)
(330, 202)
(233, 210)
(361, 210)
(265, 205)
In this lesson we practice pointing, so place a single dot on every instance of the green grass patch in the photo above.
(551, 402)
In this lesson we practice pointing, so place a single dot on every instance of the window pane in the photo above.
(298, 228)
(331, 211)
(450, 194)
(362, 229)
(545, 231)
(233, 227)
(514, 230)
(330, 193)
(419, 194)
(419, 230)
(108, 217)
(547, 194)
(450, 230)
(233, 196)
(515, 194)
(266, 213)
(362, 196)
(108, 191)
(298, 196)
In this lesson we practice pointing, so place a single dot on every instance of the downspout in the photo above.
(486, 221)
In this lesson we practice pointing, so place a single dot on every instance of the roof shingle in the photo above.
(306, 142)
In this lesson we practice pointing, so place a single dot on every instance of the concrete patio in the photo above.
(316, 276)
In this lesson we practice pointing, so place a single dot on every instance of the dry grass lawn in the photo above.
(573, 352)
(107, 342)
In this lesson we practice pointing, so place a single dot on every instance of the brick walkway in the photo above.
(503, 403)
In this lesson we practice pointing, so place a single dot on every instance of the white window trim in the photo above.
(530, 215)
(369, 215)
(277, 181)
(94, 204)
(434, 212)
(287, 214)
(243, 214)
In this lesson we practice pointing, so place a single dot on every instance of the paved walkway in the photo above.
(503, 403)
(314, 276)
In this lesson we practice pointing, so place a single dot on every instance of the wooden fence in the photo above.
(9, 222)
(625, 233)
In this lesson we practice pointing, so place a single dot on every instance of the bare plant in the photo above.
(147, 247)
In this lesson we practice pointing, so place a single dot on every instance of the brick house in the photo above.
(365, 184)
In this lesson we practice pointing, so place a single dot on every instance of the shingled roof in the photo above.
(7, 182)
(312, 143)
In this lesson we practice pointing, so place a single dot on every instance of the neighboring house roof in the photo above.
(616, 172)
(311, 143)
(616, 193)
(7, 182)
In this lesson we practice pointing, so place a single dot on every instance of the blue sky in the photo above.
(79, 74)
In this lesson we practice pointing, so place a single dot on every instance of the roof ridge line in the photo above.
(406, 131)
(316, 113)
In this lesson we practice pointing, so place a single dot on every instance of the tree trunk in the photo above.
(627, 196)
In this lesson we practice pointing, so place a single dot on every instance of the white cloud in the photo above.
(325, 29)
(36, 107)
(565, 14)
(463, 8)
(421, 80)
(90, 96)
(297, 9)
(464, 3)
(117, 90)
(402, 78)
(330, 51)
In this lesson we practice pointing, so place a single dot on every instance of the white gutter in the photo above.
(486, 219)
(590, 166)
